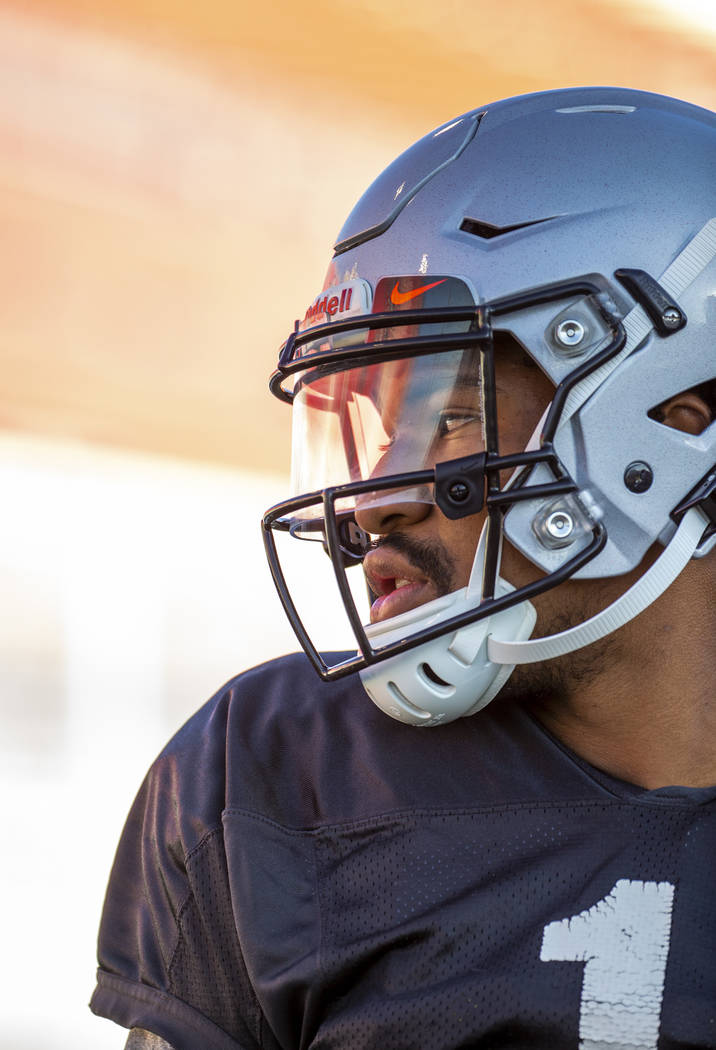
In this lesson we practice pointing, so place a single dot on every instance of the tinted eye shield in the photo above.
(460, 487)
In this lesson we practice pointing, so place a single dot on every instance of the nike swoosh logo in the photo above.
(398, 298)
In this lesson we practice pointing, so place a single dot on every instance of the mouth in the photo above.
(397, 584)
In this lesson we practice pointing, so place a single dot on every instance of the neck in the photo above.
(641, 706)
(656, 745)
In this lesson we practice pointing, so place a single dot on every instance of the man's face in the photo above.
(420, 554)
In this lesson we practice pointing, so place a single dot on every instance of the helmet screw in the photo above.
(458, 492)
(569, 333)
(559, 525)
(638, 476)
(671, 317)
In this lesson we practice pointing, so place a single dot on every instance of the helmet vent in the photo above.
(426, 671)
(598, 109)
(487, 231)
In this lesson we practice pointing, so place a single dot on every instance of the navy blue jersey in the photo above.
(300, 871)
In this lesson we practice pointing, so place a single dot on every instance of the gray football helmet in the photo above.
(581, 225)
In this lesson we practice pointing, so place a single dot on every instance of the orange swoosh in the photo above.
(398, 298)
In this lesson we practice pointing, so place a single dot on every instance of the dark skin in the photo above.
(638, 704)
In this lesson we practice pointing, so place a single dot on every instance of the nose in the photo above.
(385, 512)
(390, 510)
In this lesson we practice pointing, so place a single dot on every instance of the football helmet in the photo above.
(577, 227)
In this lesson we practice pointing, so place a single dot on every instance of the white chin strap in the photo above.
(638, 597)
(459, 672)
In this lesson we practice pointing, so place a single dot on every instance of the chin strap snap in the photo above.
(637, 598)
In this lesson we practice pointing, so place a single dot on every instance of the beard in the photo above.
(552, 683)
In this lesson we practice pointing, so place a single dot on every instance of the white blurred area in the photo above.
(133, 587)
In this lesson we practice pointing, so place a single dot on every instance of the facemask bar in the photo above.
(328, 499)
(291, 362)
(482, 471)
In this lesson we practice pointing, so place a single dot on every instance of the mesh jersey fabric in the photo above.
(300, 871)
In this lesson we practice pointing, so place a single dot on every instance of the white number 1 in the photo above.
(624, 942)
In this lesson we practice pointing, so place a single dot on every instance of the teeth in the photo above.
(401, 583)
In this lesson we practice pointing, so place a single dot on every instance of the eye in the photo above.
(453, 421)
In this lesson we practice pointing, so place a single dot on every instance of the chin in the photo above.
(554, 682)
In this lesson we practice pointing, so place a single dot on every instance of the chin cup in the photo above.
(451, 675)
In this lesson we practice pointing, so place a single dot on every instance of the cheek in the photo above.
(517, 427)
(460, 539)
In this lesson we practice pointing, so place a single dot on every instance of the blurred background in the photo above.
(172, 175)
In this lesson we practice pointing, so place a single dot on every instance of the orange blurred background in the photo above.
(172, 175)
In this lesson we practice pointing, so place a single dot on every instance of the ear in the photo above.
(687, 412)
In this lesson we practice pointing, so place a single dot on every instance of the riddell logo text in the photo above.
(328, 306)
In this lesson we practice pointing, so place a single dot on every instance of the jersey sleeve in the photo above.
(170, 960)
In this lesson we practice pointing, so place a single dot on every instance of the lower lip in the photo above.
(399, 601)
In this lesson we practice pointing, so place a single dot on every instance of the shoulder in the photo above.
(261, 697)
(281, 744)
(283, 699)
(263, 733)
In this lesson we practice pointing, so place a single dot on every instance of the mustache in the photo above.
(432, 559)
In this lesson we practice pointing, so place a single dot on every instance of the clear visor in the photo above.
(379, 420)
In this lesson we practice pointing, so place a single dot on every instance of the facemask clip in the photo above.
(460, 485)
